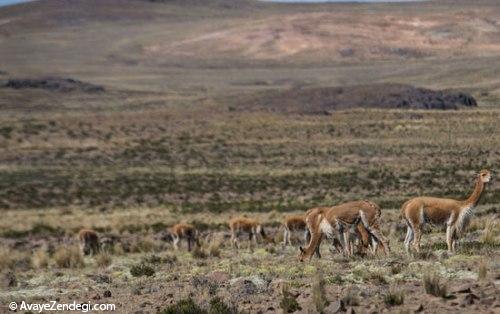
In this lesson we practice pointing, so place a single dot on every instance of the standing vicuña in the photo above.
(89, 241)
(184, 231)
(294, 223)
(439, 211)
(337, 221)
(248, 225)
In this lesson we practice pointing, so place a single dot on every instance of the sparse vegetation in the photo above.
(142, 269)
(288, 302)
(434, 285)
(318, 292)
(68, 257)
(394, 297)
(482, 270)
(103, 259)
(165, 139)
(40, 259)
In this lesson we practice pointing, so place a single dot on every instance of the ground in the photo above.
(135, 132)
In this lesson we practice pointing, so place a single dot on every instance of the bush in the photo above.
(433, 285)
(319, 293)
(68, 257)
(40, 259)
(184, 306)
(288, 302)
(11, 258)
(217, 306)
(198, 252)
(142, 270)
(482, 270)
(103, 259)
(394, 297)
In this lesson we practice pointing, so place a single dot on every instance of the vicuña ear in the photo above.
(301, 249)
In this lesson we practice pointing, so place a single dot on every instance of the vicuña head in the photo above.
(455, 214)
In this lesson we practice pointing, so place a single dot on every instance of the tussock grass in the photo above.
(394, 297)
(320, 300)
(434, 285)
(103, 259)
(68, 257)
(40, 259)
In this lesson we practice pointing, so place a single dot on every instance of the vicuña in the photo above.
(89, 241)
(294, 223)
(184, 231)
(248, 225)
(455, 214)
(340, 221)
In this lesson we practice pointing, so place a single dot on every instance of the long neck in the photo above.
(313, 244)
(476, 194)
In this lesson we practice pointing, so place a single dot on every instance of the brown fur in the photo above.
(89, 242)
(455, 214)
(340, 220)
(247, 225)
(293, 223)
(184, 231)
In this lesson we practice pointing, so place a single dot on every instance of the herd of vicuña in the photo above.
(347, 226)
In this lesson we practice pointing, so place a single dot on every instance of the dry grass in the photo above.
(10, 258)
(319, 298)
(103, 259)
(434, 285)
(482, 270)
(68, 257)
(40, 259)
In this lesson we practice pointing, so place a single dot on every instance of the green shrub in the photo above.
(184, 306)
(288, 302)
(433, 285)
(142, 270)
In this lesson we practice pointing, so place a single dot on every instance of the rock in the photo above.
(219, 277)
(107, 294)
(249, 285)
(335, 307)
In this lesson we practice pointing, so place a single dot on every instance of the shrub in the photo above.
(68, 257)
(351, 298)
(319, 293)
(40, 259)
(488, 236)
(482, 270)
(217, 306)
(103, 259)
(142, 270)
(214, 249)
(288, 302)
(433, 285)
(143, 245)
(394, 297)
(184, 306)
(198, 252)
(11, 258)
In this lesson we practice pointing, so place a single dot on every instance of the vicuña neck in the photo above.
(476, 194)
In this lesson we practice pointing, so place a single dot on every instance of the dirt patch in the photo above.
(55, 84)
(325, 99)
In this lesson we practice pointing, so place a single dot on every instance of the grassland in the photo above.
(160, 145)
